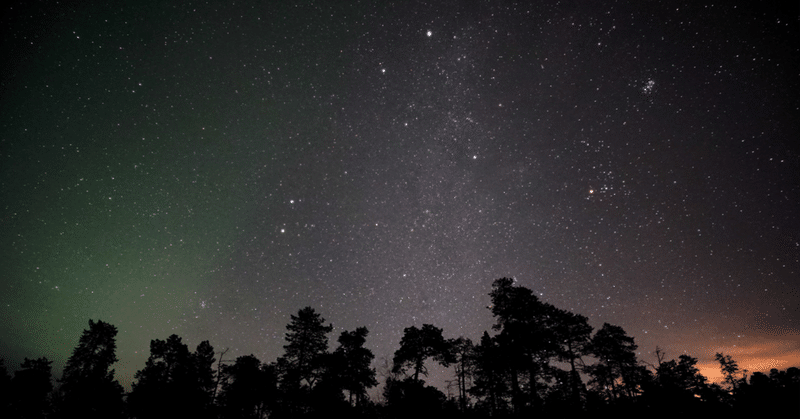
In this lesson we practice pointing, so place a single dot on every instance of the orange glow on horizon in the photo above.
(760, 356)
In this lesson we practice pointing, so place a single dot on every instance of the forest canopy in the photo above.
(537, 360)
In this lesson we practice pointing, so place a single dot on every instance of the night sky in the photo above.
(208, 170)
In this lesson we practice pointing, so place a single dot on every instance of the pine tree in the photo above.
(174, 381)
(417, 345)
(617, 371)
(306, 341)
(729, 369)
(88, 384)
(203, 361)
(527, 338)
(353, 362)
(573, 336)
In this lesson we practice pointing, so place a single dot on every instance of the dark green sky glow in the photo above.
(208, 170)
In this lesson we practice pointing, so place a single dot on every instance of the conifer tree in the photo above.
(88, 384)
(307, 341)
(417, 345)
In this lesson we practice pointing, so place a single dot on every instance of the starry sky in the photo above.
(208, 169)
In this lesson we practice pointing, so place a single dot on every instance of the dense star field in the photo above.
(206, 170)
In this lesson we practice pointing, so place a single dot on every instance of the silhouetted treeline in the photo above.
(539, 361)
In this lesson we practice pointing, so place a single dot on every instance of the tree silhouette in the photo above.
(352, 364)
(774, 394)
(346, 369)
(416, 346)
(617, 372)
(677, 387)
(5, 387)
(302, 365)
(412, 398)
(510, 374)
(729, 369)
(463, 356)
(682, 375)
(250, 389)
(30, 388)
(327, 397)
(573, 336)
(306, 341)
(88, 385)
(219, 375)
(489, 385)
(171, 382)
(527, 338)
(203, 362)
